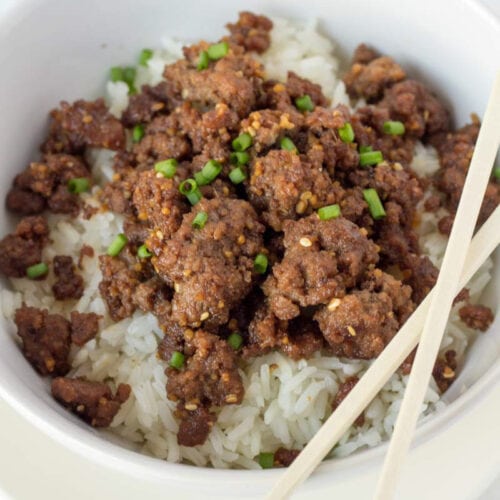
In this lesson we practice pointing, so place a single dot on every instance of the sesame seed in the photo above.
(221, 304)
(241, 239)
(334, 303)
(177, 287)
(188, 333)
(80, 408)
(301, 206)
(305, 242)
(190, 407)
(397, 166)
(204, 316)
(351, 330)
(231, 398)
(448, 372)
(87, 119)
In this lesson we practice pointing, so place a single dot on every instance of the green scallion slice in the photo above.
(260, 263)
(329, 212)
(496, 172)
(145, 56)
(235, 340)
(208, 173)
(138, 133)
(167, 168)
(287, 144)
(365, 149)
(190, 190)
(203, 61)
(374, 204)
(266, 460)
(242, 142)
(393, 127)
(239, 158)
(237, 175)
(78, 185)
(218, 50)
(304, 103)
(116, 74)
(37, 270)
(117, 245)
(129, 75)
(370, 158)
(143, 252)
(346, 133)
(177, 360)
(200, 220)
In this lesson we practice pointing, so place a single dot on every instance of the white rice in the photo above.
(285, 401)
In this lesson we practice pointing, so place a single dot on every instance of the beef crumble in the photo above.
(69, 285)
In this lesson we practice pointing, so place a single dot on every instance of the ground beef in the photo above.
(284, 185)
(194, 426)
(117, 195)
(369, 80)
(210, 269)
(117, 286)
(298, 87)
(363, 322)
(93, 402)
(75, 126)
(84, 327)
(68, 285)
(251, 32)
(23, 248)
(284, 457)
(363, 54)
(344, 389)
(143, 107)
(45, 339)
(476, 316)
(322, 259)
(444, 371)
(85, 251)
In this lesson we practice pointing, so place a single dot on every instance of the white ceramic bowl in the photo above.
(60, 49)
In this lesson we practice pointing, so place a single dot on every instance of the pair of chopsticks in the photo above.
(462, 259)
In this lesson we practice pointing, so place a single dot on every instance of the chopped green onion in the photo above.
(143, 252)
(78, 185)
(242, 142)
(217, 50)
(129, 75)
(394, 127)
(239, 158)
(266, 460)
(287, 143)
(365, 149)
(237, 175)
(200, 220)
(116, 74)
(346, 133)
(329, 212)
(374, 204)
(177, 360)
(190, 190)
(117, 245)
(208, 173)
(138, 133)
(304, 103)
(37, 270)
(145, 56)
(235, 340)
(203, 61)
(496, 172)
(260, 263)
(370, 158)
(167, 168)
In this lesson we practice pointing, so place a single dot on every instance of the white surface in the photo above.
(456, 465)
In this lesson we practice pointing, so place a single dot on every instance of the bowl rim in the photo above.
(108, 454)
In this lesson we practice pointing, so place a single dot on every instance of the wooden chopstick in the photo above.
(444, 292)
(483, 244)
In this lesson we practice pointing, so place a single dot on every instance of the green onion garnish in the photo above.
(329, 212)
(146, 55)
(393, 127)
(167, 168)
(138, 133)
(78, 185)
(242, 142)
(129, 75)
(217, 50)
(237, 175)
(370, 158)
(239, 158)
(117, 245)
(143, 252)
(346, 133)
(266, 460)
(37, 270)
(200, 220)
(287, 143)
(208, 173)
(374, 204)
(190, 190)
(203, 61)
(235, 340)
(304, 103)
(177, 360)
(496, 172)
(365, 149)
(260, 263)
(116, 74)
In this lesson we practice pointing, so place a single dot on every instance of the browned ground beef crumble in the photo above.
(344, 286)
